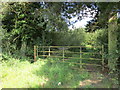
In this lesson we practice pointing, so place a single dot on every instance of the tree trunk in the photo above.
(0, 31)
(23, 49)
(0, 43)
(112, 44)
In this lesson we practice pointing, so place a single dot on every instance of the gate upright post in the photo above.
(37, 52)
(63, 54)
(102, 57)
(34, 53)
(49, 50)
(80, 57)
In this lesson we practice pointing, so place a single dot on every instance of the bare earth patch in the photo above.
(88, 82)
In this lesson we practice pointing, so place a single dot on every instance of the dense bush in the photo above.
(99, 37)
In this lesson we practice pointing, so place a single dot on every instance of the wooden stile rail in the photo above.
(63, 50)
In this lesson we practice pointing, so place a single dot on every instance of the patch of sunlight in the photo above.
(22, 76)
(1, 85)
(88, 46)
(23, 80)
(43, 82)
(88, 82)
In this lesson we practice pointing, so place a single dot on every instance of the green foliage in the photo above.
(101, 19)
(99, 37)
(69, 38)
(33, 29)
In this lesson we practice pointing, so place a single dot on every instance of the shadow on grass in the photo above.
(99, 81)
(59, 75)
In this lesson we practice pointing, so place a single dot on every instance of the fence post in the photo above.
(102, 58)
(80, 57)
(49, 50)
(43, 51)
(63, 54)
(37, 52)
(34, 53)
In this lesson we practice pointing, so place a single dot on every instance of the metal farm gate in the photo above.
(79, 55)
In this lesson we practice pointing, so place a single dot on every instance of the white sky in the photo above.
(80, 24)
(83, 22)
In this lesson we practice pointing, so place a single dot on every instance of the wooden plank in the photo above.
(90, 53)
(91, 64)
(82, 69)
(70, 46)
(85, 58)
(92, 58)
(73, 63)
(50, 51)
(65, 59)
(69, 52)
(50, 56)
(83, 63)
(72, 57)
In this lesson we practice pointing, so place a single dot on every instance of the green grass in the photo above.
(22, 74)
(16, 73)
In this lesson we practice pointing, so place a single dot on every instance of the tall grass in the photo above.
(15, 73)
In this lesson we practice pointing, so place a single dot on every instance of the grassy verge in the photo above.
(15, 73)
(22, 74)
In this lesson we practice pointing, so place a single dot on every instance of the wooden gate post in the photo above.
(43, 49)
(80, 57)
(49, 50)
(37, 51)
(103, 58)
(34, 53)
(63, 54)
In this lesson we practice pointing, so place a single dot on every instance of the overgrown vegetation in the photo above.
(15, 73)
(25, 24)
(22, 74)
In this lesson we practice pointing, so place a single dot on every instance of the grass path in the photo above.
(98, 79)
(17, 74)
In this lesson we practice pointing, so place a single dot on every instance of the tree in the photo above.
(110, 22)
(49, 16)
(25, 29)
(1, 33)
(101, 13)
(69, 38)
